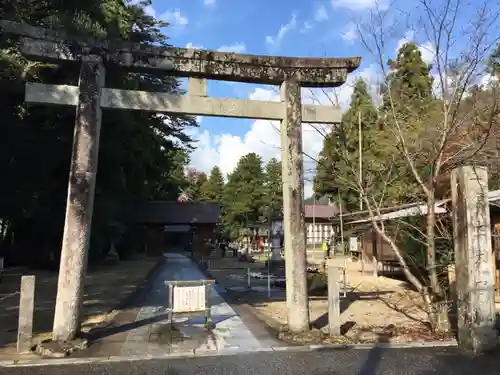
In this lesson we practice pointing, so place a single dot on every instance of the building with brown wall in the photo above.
(371, 244)
(174, 226)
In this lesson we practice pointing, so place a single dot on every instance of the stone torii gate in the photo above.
(91, 95)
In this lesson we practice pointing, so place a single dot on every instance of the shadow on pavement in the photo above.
(374, 357)
(108, 287)
(98, 334)
(456, 362)
(420, 361)
(135, 300)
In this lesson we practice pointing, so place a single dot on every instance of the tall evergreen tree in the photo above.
(273, 188)
(244, 193)
(137, 158)
(410, 83)
(413, 117)
(195, 179)
(409, 112)
(336, 172)
(212, 190)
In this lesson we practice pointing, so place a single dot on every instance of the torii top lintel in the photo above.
(46, 44)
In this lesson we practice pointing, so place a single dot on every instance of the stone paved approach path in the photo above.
(230, 331)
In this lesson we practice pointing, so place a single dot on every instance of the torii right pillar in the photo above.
(473, 259)
(293, 207)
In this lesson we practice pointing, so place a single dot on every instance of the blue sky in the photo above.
(315, 28)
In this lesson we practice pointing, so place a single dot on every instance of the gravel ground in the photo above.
(374, 306)
(106, 286)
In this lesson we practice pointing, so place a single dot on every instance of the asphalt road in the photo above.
(442, 361)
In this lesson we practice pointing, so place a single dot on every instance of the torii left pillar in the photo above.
(80, 200)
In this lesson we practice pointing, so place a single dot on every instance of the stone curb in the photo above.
(224, 352)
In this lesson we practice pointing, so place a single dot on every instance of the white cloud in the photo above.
(174, 17)
(428, 52)
(342, 95)
(482, 80)
(350, 32)
(358, 5)
(284, 29)
(321, 14)
(195, 46)
(236, 47)
(487, 80)
(208, 3)
(439, 89)
(263, 137)
(427, 49)
(408, 37)
(149, 10)
(306, 27)
(264, 94)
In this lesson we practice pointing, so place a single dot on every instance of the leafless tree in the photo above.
(458, 127)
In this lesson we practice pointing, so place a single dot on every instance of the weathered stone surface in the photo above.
(94, 45)
(333, 300)
(473, 259)
(197, 86)
(224, 66)
(60, 349)
(80, 201)
(44, 44)
(182, 104)
(293, 208)
(26, 308)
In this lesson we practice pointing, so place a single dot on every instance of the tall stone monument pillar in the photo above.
(473, 259)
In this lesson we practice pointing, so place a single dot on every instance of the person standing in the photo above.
(325, 249)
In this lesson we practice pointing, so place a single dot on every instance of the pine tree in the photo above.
(212, 190)
(195, 179)
(336, 172)
(414, 117)
(273, 188)
(409, 86)
(409, 110)
(244, 194)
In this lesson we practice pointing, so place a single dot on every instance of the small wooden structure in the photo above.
(359, 224)
(173, 224)
(190, 298)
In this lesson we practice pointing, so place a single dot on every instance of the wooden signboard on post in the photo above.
(190, 298)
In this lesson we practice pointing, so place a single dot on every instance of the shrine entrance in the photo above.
(91, 95)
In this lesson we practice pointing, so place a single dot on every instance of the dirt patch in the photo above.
(106, 287)
(374, 310)
(365, 335)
